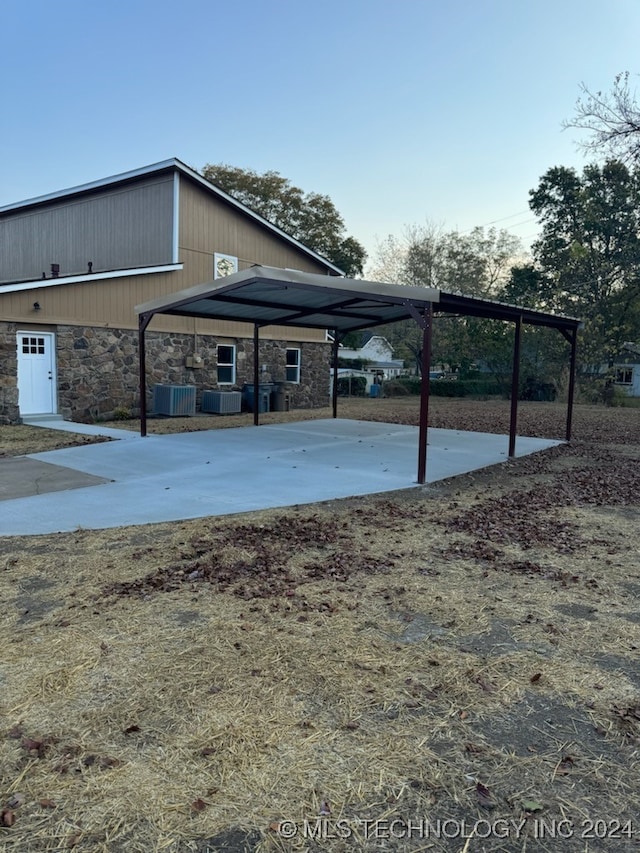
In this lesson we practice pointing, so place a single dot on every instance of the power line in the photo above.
(503, 219)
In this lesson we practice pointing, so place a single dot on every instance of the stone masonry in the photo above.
(97, 369)
(9, 413)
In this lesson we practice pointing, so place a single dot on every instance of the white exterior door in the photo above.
(36, 373)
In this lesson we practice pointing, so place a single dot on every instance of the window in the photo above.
(293, 365)
(224, 265)
(624, 376)
(226, 364)
(33, 346)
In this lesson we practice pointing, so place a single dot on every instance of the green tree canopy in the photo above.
(589, 249)
(311, 218)
(476, 264)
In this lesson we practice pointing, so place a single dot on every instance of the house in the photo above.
(626, 370)
(377, 352)
(75, 263)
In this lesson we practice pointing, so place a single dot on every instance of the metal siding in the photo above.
(111, 303)
(208, 225)
(129, 226)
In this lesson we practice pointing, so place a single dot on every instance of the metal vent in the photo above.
(222, 402)
(174, 400)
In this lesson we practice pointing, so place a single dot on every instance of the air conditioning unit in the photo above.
(222, 402)
(174, 400)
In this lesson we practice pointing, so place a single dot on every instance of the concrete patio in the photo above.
(132, 480)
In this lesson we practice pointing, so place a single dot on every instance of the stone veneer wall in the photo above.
(97, 369)
(9, 413)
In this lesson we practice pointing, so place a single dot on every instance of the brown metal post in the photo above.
(143, 322)
(256, 375)
(572, 383)
(334, 389)
(515, 386)
(425, 367)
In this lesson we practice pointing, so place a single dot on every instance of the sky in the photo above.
(404, 112)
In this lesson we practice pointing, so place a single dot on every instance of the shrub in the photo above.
(122, 413)
(396, 388)
(534, 388)
(445, 387)
(466, 387)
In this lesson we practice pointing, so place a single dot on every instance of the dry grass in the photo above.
(465, 653)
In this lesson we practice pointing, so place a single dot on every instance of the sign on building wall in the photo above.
(224, 265)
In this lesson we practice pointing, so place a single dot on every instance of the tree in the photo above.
(612, 120)
(310, 218)
(476, 264)
(590, 250)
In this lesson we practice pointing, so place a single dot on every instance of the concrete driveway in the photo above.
(133, 480)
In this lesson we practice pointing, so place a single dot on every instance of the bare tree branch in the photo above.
(612, 120)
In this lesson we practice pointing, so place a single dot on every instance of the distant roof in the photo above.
(170, 165)
(269, 296)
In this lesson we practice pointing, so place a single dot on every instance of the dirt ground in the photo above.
(453, 668)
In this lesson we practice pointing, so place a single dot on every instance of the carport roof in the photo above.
(268, 296)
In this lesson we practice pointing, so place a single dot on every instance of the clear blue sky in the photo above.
(403, 111)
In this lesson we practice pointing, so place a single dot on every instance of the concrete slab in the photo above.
(219, 472)
(21, 476)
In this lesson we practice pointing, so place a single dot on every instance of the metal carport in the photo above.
(266, 296)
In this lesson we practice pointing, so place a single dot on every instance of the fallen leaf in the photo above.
(35, 746)
(7, 817)
(485, 797)
(565, 766)
(199, 805)
(531, 806)
(47, 803)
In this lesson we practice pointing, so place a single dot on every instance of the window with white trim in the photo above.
(226, 364)
(32, 346)
(624, 376)
(292, 370)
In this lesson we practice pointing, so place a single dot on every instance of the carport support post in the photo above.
(334, 389)
(425, 321)
(256, 375)
(515, 387)
(143, 322)
(572, 382)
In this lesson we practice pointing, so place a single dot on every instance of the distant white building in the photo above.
(378, 354)
(627, 378)
(627, 373)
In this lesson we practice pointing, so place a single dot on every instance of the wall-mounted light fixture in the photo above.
(36, 306)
